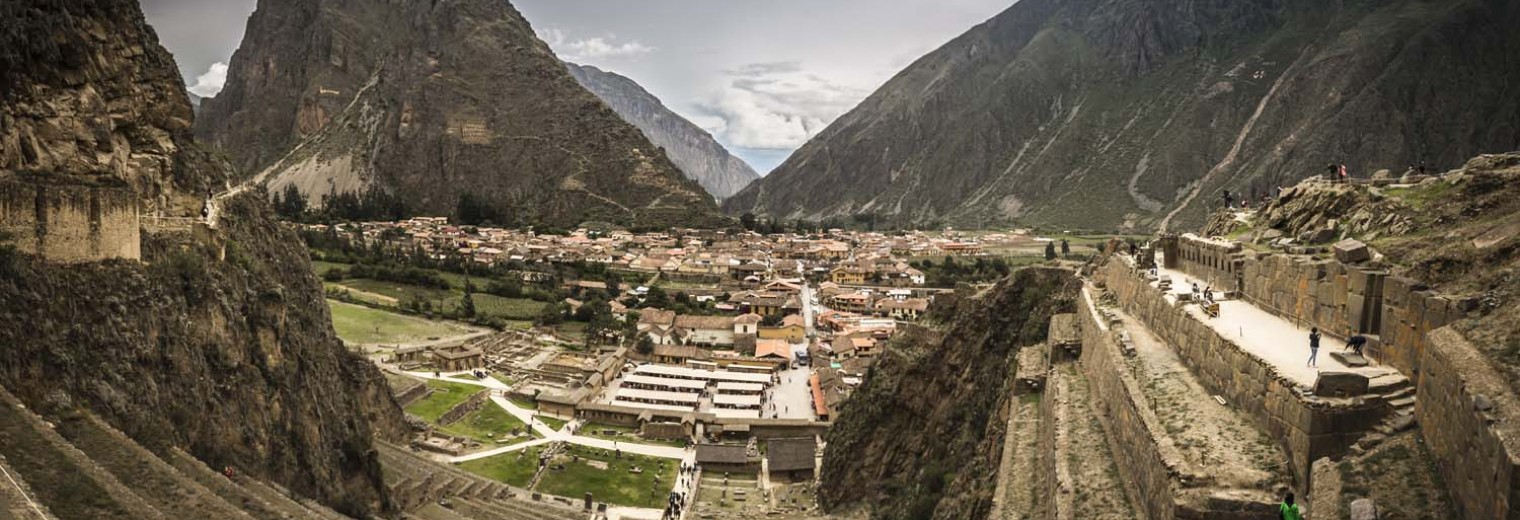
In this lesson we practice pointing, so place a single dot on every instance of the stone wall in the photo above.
(1339, 299)
(1308, 427)
(1217, 262)
(1051, 477)
(1467, 413)
(70, 224)
(463, 408)
(1132, 428)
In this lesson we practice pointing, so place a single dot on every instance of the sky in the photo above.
(763, 76)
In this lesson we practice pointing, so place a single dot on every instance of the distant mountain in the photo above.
(693, 150)
(437, 107)
(1132, 114)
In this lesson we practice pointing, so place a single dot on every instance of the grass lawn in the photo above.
(554, 423)
(515, 468)
(616, 484)
(523, 402)
(573, 331)
(360, 324)
(505, 379)
(322, 267)
(487, 424)
(517, 309)
(445, 395)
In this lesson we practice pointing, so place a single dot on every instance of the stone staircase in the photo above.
(1399, 394)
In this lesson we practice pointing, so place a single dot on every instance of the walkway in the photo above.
(548, 434)
(1272, 338)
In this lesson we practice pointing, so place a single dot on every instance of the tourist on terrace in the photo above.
(1313, 347)
(1356, 342)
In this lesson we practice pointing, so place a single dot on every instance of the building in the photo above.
(793, 459)
(716, 459)
(773, 348)
(458, 359)
(790, 330)
(706, 330)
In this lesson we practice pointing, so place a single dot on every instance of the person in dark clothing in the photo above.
(1313, 347)
(1356, 343)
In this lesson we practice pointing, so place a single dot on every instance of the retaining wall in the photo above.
(463, 408)
(1467, 414)
(1147, 457)
(70, 224)
(1308, 427)
(1054, 477)
(1338, 298)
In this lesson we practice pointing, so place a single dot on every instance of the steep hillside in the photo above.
(1132, 114)
(428, 102)
(216, 342)
(923, 436)
(691, 148)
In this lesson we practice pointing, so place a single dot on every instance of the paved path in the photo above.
(1269, 337)
(548, 434)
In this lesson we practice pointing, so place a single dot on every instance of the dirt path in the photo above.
(1017, 494)
(1216, 441)
(1092, 489)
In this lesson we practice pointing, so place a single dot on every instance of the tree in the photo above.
(291, 203)
(467, 303)
(747, 220)
(1050, 250)
(549, 315)
(645, 345)
(1065, 247)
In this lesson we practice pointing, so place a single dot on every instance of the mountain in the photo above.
(1133, 114)
(693, 150)
(119, 306)
(438, 106)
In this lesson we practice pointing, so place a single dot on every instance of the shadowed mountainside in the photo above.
(1124, 114)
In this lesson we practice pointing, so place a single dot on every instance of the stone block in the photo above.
(1350, 359)
(1340, 384)
(1317, 236)
(1351, 251)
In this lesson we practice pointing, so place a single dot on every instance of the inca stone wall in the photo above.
(1308, 427)
(1053, 476)
(1467, 412)
(1217, 262)
(70, 224)
(1342, 299)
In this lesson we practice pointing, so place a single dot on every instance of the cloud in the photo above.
(210, 83)
(591, 48)
(775, 106)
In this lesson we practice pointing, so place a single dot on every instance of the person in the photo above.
(1229, 201)
(1356, 343)
(1313, 347)
(1343, 174)
(1330, 172)
(1289, 510)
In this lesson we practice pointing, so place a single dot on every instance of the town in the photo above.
(526, 358)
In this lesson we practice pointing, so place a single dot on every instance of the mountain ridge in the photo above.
(691, 148)
(1107, 114)
(437, 106)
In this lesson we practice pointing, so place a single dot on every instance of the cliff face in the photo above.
(429, 101)
(691, 148)
(922, 438)
(1126, 114)
(218, 341)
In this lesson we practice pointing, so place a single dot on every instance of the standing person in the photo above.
(1344, 178)
(1288, 510)
(1313, 347)
(1330, 172)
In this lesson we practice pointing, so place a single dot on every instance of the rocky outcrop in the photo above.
(923, 436)
(215, 341)
(1130, 114)
(691, 148)
(429, 102)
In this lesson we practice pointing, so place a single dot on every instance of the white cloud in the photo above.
(210, 83)
(587, 49)
(775, 106)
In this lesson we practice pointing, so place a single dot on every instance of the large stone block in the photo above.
(1340, 384)
(1351, 251)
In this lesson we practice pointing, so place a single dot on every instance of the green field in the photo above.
(515, 468)
(445, 395)
(360, 324)
(623, 434)
(554, 423)
(487, 424)
(523, 402)
(616, 484)
(489, 305)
